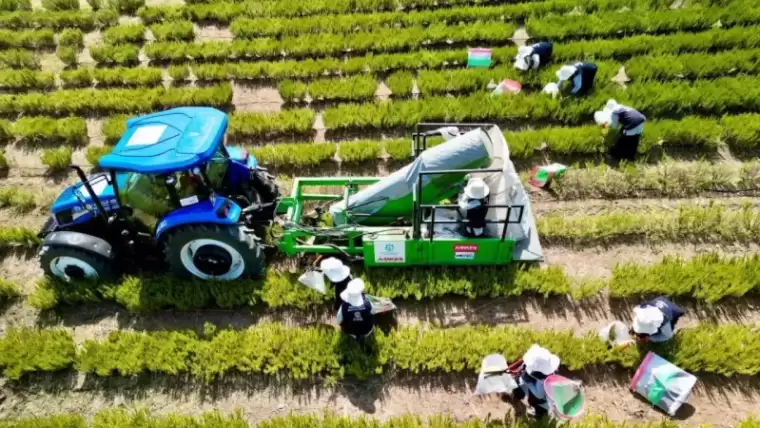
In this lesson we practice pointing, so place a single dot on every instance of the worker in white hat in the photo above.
(534, 56)
(576, 79)
(538, 364)
(473, 205)
(626, 124)
(655, 320)
(355, 315)
(338, 274)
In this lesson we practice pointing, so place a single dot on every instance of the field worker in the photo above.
(656, 320)
(626, 124)
(473, 205)
(355, 313)
(338, 274)
(534, 56)
(576, 79)
(538, 364)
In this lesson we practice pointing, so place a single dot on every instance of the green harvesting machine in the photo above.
(408, 218)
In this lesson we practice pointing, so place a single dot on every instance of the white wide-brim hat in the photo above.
(565, 72)
(647, 319)
(476, 188)
(603, 117)
(334, 269)
(353, 292)
(611, 105)
(540, 360)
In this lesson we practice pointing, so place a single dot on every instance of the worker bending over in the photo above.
(534, 56)
(626, 125)
(338, 274)
(473, 206)
(576, 79)
(355, 313)
(656, 320)
(538, 364)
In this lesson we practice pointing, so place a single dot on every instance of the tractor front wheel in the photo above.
(69, 264)
(213, 252)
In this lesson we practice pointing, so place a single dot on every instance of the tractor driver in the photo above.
(473, 206)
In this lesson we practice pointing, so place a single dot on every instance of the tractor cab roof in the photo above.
(168, 141)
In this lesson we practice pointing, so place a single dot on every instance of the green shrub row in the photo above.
(84, 20)
(17, 237)
(109, 101)
(71, 37)
(124, 33)
(355, 88)
(115, 54)
(60, 5)
(705, 41)
(714, 222)
(20, 200)
(70, 130)
(117, 76)
(244, 27)
(302, 353)
(124, 7)
(741, 132)
(310, 45)
(8, 290)
(707, 278)
(14, 5)
(620, 24)
(121, 418)
(16, 80)
(661, 99)
(19, 58)
(69, 55)
(173, 31)
(57, 159)
(666, 179)
(30, 39)
(694, 65)
(263, 125)
(226, 11)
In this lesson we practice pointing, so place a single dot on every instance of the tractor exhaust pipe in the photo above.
(95, 198)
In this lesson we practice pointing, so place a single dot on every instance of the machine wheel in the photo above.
(70, 264)
(213, 252)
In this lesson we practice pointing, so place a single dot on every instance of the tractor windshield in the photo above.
(216, 167)
(149, 194)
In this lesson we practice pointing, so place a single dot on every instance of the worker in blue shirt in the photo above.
(355, 315)
(655, 320)
(576, 79)
(473, 206)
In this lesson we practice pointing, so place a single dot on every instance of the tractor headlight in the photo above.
(65, 216)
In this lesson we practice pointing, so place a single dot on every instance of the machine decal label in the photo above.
(465, 251)
(190, 200)
(390, 251)
(146, 135)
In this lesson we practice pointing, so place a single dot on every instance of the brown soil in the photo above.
(599, 206)
(210, 33)
(255, 98)
(713, 401)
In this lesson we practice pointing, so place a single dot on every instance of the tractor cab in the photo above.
(414, 217)
(170, 190)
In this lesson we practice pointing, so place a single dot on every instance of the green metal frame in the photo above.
(293, 206)
(393, 245)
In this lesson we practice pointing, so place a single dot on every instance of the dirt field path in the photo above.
(714, 401)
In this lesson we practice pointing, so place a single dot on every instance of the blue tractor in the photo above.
(170, 192)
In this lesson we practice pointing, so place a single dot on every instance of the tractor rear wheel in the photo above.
(213, 252)
(70, 264)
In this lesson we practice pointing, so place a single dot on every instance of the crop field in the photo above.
(335, 87)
